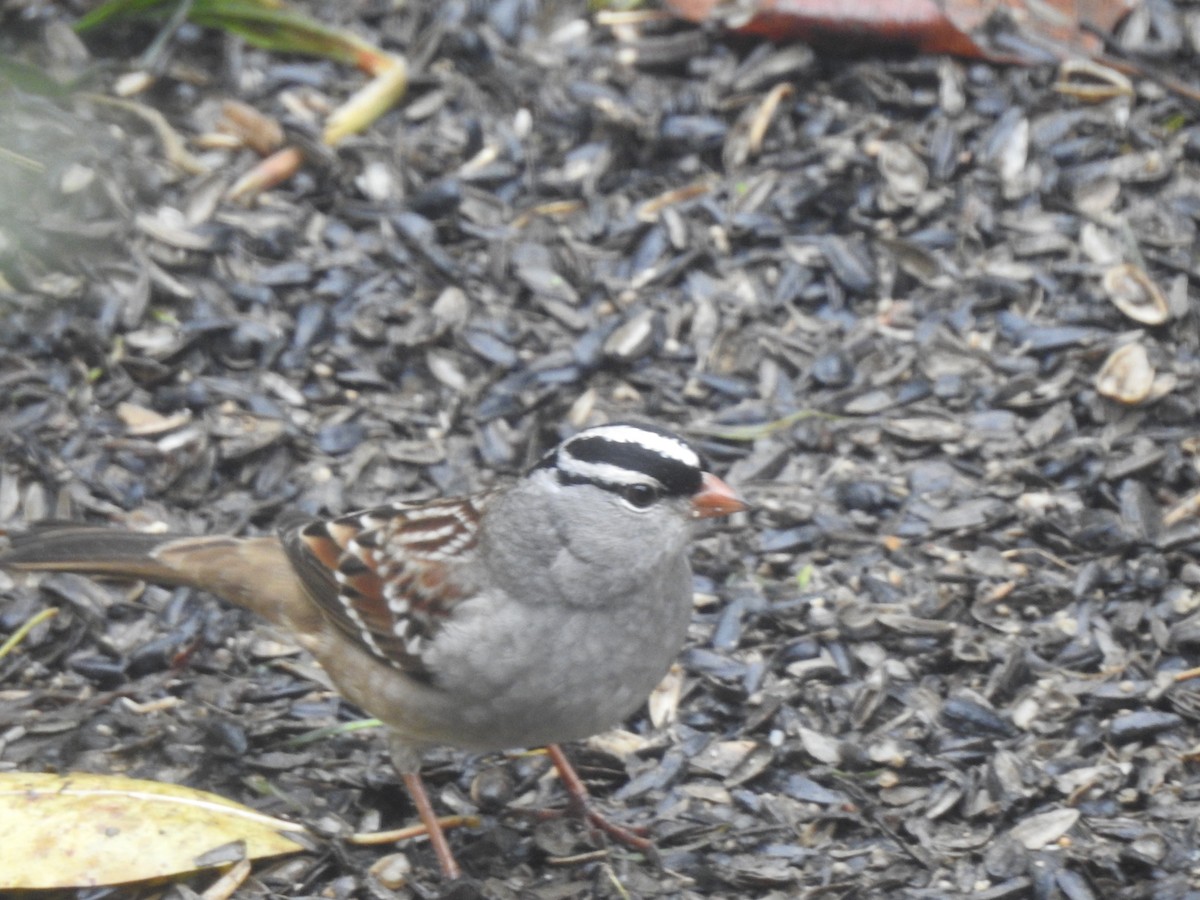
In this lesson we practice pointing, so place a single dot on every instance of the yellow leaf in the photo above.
(81, 830)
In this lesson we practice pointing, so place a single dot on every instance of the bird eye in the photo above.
(639, 495)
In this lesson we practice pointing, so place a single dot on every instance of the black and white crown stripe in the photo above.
(621, 455)
(663, 443)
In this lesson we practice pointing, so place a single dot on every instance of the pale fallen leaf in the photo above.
(84, 830)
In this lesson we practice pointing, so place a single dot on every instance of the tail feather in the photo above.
(253, 573)
(90, 550)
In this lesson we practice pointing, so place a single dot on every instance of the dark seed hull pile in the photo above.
(937, 320)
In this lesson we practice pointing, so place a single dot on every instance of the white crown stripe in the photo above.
(604, 473)
(663, 445)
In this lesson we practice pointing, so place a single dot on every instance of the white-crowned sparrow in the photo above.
(542, 612)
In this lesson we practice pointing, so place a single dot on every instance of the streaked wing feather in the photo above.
(385, 576)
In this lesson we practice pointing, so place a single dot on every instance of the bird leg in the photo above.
(407, 761)
(437, 837)
(581, 803)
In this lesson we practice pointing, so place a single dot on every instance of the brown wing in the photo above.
(386, 576)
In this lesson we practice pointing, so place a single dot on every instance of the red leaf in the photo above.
(961, 27)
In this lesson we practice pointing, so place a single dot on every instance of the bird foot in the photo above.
(580, 805)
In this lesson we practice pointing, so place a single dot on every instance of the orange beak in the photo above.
(716, 498)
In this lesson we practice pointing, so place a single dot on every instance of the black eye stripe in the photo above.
(640, 496)
(676, 477)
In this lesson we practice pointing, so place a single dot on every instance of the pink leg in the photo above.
(582, 803)
(437, 837)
